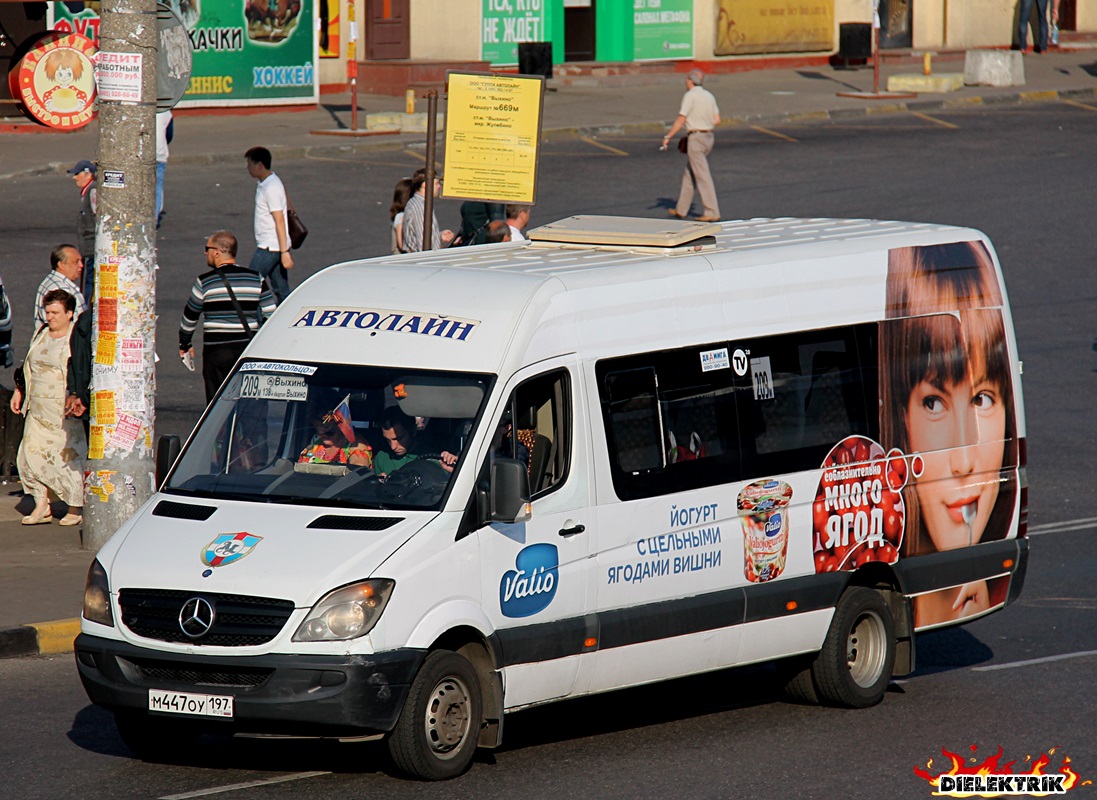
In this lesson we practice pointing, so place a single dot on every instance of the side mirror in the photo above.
(509, 491)
(167, 450)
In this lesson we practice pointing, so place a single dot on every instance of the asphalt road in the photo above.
(1024, 175)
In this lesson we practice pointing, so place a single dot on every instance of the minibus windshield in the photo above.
(333, 434)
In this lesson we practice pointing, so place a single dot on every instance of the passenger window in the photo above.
(670, 420)
(803, 393)
(634, 420)
(535, 428)
(684, 419)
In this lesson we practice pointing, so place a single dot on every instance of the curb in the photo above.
(39, 638)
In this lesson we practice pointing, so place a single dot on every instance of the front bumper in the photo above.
(297, 695)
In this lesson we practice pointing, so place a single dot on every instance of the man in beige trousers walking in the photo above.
(698, 115)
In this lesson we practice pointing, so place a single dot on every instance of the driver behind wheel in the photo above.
(400, 445)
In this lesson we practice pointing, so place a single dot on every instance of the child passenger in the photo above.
(947, 401)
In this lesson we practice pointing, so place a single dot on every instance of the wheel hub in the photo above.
(865, 649)
(447, 718)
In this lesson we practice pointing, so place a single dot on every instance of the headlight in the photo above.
(97, 596)
(346, 613)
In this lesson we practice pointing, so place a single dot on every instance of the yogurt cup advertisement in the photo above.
(763, 512)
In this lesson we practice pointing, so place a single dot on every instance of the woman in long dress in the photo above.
(53, 449)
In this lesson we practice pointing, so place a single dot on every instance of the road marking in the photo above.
(760, 129)
(1080, 105)
(1057, 527)
(1031, 661)
(928, 118)
(613, 150)
(421, 156)
(232, 787)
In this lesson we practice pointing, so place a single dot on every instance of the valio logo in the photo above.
(531, 585)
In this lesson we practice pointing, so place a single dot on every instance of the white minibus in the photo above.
(440, 487)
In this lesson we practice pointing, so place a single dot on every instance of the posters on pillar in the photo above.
(774, 26)
(662, 29)
(506, 23)
(246, 52)
(493, 133)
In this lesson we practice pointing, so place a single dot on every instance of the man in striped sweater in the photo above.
(224, 334)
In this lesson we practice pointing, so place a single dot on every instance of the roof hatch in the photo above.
(628, 233)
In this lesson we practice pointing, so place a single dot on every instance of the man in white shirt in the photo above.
(698, 115)
(272, 245)
(67, 266)
(517, 219)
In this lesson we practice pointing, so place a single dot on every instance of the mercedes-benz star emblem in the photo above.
(196, 617)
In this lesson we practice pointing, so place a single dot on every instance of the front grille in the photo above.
(239, 620)
(157, 672)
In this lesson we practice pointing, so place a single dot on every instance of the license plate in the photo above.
(201, 705)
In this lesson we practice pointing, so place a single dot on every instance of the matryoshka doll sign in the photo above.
(55, 81)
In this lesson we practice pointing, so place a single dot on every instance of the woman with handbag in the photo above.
(52, 452)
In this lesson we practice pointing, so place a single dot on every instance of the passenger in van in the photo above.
(332, 446)
(401, 445)
(504, 445)
(948, 399)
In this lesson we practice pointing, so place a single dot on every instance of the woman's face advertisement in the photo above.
(948, 404)
(960, 429)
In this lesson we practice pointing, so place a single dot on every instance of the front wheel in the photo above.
(436, 735)
(854, 667)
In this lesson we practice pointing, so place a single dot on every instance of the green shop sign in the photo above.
(662, 29)
(505, 23)
(246, 52)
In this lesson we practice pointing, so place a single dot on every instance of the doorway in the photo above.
(20, 23)
(387, 30)
(1068, 19)
(578, 30)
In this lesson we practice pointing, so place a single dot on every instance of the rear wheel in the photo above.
(436, 735)
(854, 667)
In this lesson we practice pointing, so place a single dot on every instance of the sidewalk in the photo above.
(43, 569)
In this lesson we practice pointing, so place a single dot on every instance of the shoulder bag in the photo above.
(683, 144)
(235, 303)
(296, 228)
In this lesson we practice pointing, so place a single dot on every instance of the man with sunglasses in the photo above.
(235, 302)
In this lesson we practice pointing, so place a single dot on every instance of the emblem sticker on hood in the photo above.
(228, 548)
(530, 587)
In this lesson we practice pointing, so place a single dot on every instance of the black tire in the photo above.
(156, 739)
(799, 686)
(435, 737)
(854, 667)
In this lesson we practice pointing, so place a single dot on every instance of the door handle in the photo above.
(574, 529)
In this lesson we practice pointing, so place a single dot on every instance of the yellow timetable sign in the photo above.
(493, 131)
